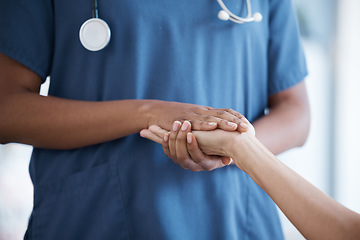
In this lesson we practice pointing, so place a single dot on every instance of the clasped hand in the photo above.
(182, 146)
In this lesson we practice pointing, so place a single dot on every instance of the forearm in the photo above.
(50, 122)
(316, 215)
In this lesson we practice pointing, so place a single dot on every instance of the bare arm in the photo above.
(313, 213)
(288, 122)
(51, 122)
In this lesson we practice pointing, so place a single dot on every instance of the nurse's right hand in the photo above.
(198, 118)
(202, 118)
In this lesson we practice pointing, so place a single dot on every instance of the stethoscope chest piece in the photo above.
(94, 34)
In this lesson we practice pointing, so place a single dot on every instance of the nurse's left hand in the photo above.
(183, 149)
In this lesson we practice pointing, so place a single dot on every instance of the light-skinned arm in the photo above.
(312, 212)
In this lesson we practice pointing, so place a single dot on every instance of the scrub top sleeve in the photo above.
(26, 33)
(287, 65)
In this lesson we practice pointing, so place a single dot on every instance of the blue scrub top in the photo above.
(167, 50)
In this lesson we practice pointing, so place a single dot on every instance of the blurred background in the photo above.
(331, 157)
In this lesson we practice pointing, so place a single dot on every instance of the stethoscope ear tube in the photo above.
(94, 33)
(225, 14)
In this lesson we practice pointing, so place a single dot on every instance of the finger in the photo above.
(244, 119)
(229, 115)
(239, 117)
(165, 144)
(208, 123)
(205, 124)
(227, 125)
(172, 151)
(234, 116)
(187, 164)
(243, 127)
(172, 139)
(234, 113)
(182, 154)
(207, 162)
(146, 133)
(246, 126)
(160, 132)
(182, 157)
(226, 160)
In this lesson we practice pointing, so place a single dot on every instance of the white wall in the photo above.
(16, 190)
(347, 116)
(312, 160)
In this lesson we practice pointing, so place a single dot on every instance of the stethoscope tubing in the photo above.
(94, 33)
(235, 17)
(95, 9)
(100, 28)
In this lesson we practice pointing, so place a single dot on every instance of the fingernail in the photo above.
(185, 126)
(234, 125)
(212, 124)
(189, 138)
(175, 126)
(166, 137)
(244, 125)
(141, 134)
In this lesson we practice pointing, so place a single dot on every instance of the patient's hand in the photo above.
(174, 142)
(214, 142)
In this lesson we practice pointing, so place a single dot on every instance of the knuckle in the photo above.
(202, 124)
(181, 137)
(223, 121)
(236, 120)
(220, 112)
(172, 137)
(206, 117)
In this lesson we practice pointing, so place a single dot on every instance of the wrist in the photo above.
(148, 110)
(242, 148)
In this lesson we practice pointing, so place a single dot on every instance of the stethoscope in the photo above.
(225, 14)
(95, 33)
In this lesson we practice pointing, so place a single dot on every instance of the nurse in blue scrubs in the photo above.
(94, 177)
